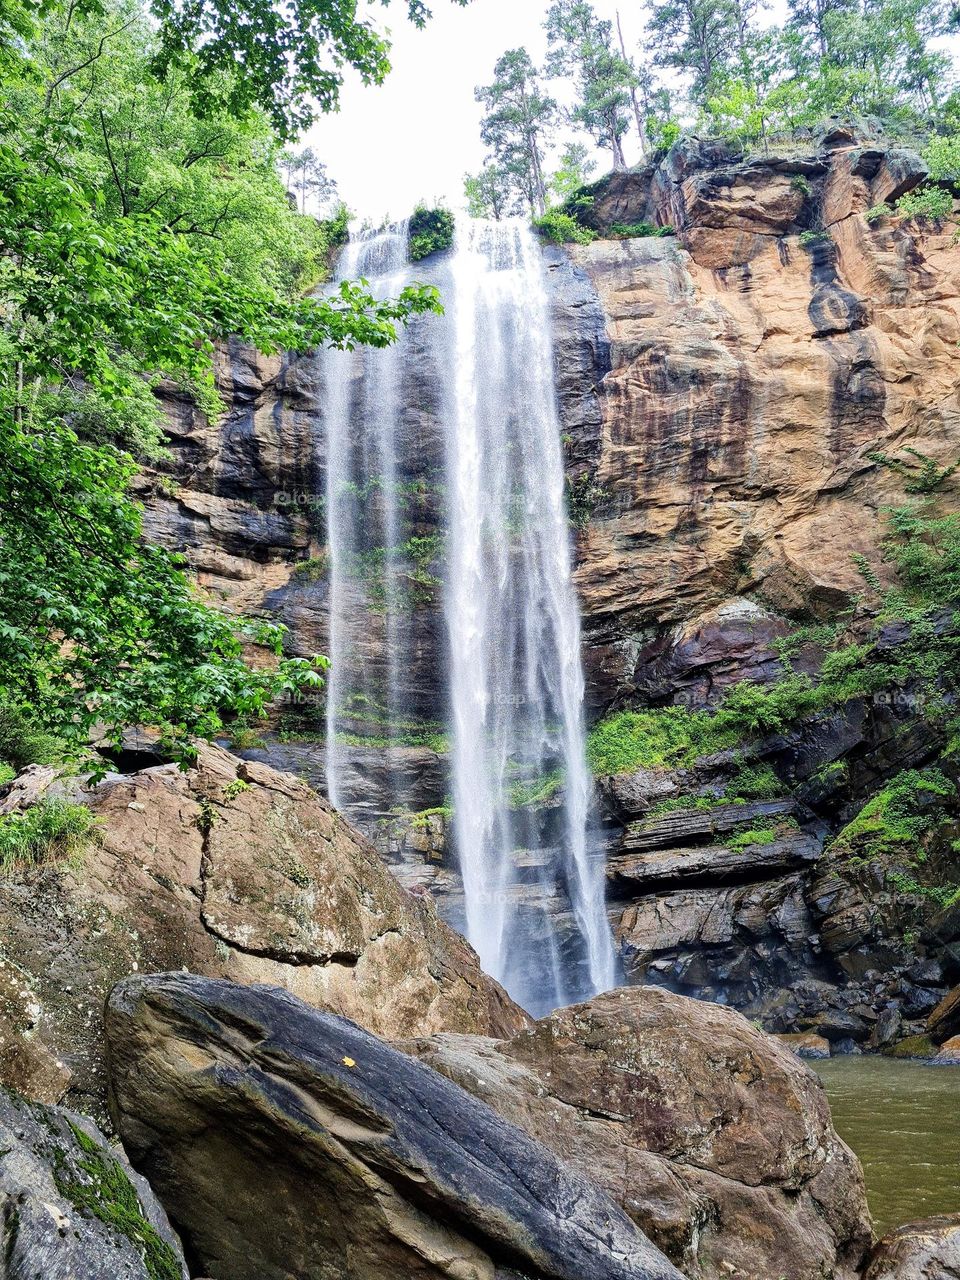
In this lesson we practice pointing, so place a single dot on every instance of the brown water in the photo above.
(903, 1120)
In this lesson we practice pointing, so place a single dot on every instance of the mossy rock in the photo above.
(912, 1047)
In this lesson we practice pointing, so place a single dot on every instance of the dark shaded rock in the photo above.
(926, 1250)
(899, 172)
(682, 824)
(284, 1140)
(73, 1209)
(712, 1136)
(709, 865)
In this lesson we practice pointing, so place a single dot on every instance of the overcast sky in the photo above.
(415, 136)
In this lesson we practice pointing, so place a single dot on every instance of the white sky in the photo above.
(414, 137)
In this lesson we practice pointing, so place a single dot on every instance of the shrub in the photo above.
(753, 836)
(926, 204)
(799, 183)
(49, 831)
(22, 743)
(877, 212)
(314, 569)
(653, 739)
(638, 230)
(583, 497)
(818, 236)
(563, 228)
(430, 231)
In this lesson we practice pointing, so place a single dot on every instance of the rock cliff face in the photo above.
(720, 392)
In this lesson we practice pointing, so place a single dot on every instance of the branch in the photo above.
(72, 71)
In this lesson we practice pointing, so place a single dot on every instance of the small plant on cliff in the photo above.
(638, 230)
(921, 473)
(430, 231)
(563, 228)
(752, 837)
(818, 235)
(584, 495)
(926, 204)
(49, 831)
(800, 183)
(877, 212)
(315, 569)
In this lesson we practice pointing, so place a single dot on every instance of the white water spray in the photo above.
(512, 672)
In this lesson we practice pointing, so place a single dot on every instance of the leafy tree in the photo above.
(306, 174)
(699, 37)
(135, 233)
(581, 47)
(489, 193)
(572, 172)
(518, 117)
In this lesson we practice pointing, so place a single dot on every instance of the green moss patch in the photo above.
(98, 1187)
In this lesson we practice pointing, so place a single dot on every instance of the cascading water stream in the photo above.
(363, 387)
(515, 679)
(511, 673)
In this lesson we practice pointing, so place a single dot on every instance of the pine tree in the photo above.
(518, 118)
(581, 47)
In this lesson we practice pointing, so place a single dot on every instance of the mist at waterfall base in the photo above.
(478, 380)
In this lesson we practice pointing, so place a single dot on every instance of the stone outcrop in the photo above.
(73, 1209)
(229, 869)
(713, 1137)
(284, 1140)
(928, 1250)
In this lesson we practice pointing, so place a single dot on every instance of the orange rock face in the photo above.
(751, 375)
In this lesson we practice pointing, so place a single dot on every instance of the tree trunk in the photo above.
(633, 93)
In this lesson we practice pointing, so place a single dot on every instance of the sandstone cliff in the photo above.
(721, 391)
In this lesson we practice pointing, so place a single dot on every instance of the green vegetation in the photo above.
(431, 231)
(800, 183)
(638, 230)
(751, 837)
(819, 235)
(928, 204)
(98, 1187)
(562, 228)
(143, 218)
(896, 825)
(666, 737)
(584, 495)
(50, 831)
(537, 791)
(404, 576)
(315, 569)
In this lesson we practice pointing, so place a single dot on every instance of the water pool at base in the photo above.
(902, 1119)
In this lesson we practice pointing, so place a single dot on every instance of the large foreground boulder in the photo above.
(289, 1142)
(70, 1208)
(712, 1136)
(230, 869)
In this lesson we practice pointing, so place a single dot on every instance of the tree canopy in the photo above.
(142, 220)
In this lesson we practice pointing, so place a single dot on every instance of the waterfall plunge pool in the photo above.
(902, 1119)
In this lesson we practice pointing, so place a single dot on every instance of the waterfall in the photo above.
(363, 388)
(510, 672)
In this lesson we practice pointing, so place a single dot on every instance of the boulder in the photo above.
(925, 1250)
(73, 1209)
(229, 869)
(805, 1044)
(288, 1141)
(948, 1055)
(944, 1021)
(713, 1136)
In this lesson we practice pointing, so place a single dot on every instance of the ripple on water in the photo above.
(902, 1119)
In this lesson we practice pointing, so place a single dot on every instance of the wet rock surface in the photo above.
(928, 1250)
(284, 1140)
